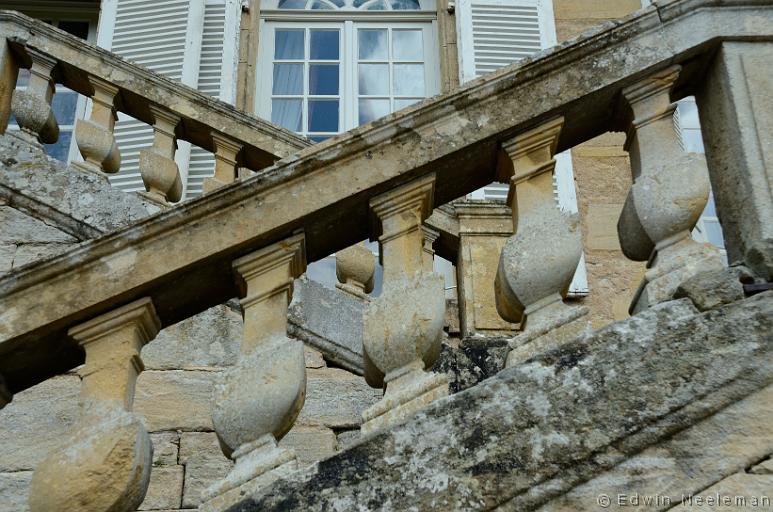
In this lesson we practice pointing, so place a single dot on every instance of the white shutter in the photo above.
(217, 75)
(493, 34)
(163, 36)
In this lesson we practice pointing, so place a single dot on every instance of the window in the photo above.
(331, 65)
(67, 105)
(329, 70)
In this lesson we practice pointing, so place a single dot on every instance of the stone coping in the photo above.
(139, 87)
(325, 189)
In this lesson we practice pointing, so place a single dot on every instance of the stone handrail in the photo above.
(252, 238)
(114, 83)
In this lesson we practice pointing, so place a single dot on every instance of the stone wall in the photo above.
(45, 208)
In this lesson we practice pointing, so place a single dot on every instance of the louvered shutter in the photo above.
(493, 34)
(165, 37)
(217, 69)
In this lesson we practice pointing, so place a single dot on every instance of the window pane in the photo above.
(405, 5)
(323, 79)
(321, 6)
(292, 4)
(373, 109)
(378, 5)
(61, 149)
(323, 115)
(402, 103)
(374, 79)
(372, 44)
(288, 79)
(319, 138)
(409, 80)
(407, 45)
(63, 103)
(288, 44)
(287, 113)
(76, 28)
(324, 45)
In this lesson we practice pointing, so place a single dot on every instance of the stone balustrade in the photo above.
(382, 181)
(175, 112)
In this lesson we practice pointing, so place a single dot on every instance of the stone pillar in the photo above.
(226, 171)
(355, 269)
(403, 326)
(9, 74)
(736, 109)
(105, 462)
(95, 137)
(669, 192)
(159, 171)
(428, 252)
(484, 228)
(32, 106)
(260, 397)
(538, 262)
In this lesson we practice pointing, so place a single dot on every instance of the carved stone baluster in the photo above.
(355, 269)
(428, 252)
(95, 137)
(159, 171)
(669, 192)
(403, 326)
(9, 75)
(105, 462)
(538, 262)
(226, 171)
(260, 397)
(32, 106)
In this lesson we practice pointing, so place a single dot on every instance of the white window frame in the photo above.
(343, 20)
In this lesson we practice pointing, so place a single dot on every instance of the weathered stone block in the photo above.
(764, 468)
(166, 446)
(175, 399)
(347, 438)
(336, 398)
(17, 227)
(35, 421)
(28, 253)
(310, 443)
(712, 289)
(204, 464)
(13, 491)
(601, 220)
(211, 338)
(165, 490)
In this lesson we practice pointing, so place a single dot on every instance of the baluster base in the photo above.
(670, 267)
(404, 396)
(90, 168)
(258, 465)
(548, 328)
(210, 184)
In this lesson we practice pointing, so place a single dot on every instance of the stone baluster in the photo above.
(428, 252)
(159, 171)
(355, 269)
(105, 462)
(538, 262)
(32, 106)
(403, 326)
(9, 75)
(669, 192)
(95, 137)
(226, 170)
(261, 396)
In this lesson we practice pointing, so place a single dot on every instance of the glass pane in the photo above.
(402, 103)
(323, 79)
(63, 104)
(288, 44)
(373, 109)
(407, 45)
(379, 5)
(409, 80)
(61, 149)
(287, 113)
(374, 79)
(319, 138)
(323, 115)
(321, 6)
(372, 44)
(288, 79)
(324, 45)
(292, 4)
(76, 28)
(405, 5)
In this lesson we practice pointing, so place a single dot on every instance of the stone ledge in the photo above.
(521, 435)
